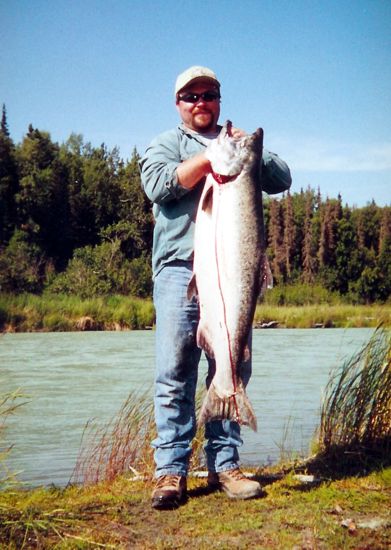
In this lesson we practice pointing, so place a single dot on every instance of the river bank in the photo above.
(63, 313)
(297, 512)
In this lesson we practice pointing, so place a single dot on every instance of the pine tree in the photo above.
(368, 227)
(42, 198)
(289, 235)
(323, 237)
(9, 182)
(384, 254)
(385, 230)
(330, 214)
(4, 124)
(346, 262)
(308, 273)
(276, 249)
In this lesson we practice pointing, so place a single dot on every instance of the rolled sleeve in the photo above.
(276, 176)
(158, 171)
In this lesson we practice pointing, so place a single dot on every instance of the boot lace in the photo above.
(236, 474)
(168, 479)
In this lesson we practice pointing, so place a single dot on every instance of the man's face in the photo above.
(201, 116)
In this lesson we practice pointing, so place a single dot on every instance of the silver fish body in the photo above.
(230, 269)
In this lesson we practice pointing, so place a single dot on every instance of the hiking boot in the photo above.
(235, 484)
(169, 492)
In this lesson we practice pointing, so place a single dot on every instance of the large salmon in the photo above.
(230, 268)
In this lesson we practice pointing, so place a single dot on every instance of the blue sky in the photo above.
(316, 75)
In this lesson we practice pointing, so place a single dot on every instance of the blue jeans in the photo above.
(177, 359)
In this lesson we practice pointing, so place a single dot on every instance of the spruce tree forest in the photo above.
(74, 220)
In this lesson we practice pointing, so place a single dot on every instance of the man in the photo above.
(173, 171)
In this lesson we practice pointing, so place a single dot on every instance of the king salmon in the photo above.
(230, 269)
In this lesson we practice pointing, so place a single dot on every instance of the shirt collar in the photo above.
(201, 138)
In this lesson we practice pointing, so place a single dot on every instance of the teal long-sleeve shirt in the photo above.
(174, 207)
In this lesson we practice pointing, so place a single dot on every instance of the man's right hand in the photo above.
(192, 170)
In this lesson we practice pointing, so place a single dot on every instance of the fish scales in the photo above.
(229, 269)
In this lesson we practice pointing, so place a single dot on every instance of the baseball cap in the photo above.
(194, 73)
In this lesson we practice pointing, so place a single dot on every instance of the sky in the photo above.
(314, 74)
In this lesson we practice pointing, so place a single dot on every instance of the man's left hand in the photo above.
(238, 133)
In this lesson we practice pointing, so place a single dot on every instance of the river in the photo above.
(71, 378)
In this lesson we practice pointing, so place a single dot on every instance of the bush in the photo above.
(102, 270)
(22, 265)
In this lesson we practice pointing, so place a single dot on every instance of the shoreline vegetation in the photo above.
(339, 497)
(65, 313)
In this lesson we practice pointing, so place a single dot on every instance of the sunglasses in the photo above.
(193, 98)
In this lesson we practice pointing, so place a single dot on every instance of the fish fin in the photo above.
(204, 340)
(266, 282)
(192, 289)
(237, 407)
(207, 199)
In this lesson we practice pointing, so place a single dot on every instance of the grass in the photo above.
(119, 446)
(29, 313)
(355, 424)
(325, 502)
(323, 315)
(122, 446)
(9, 403)
(350, 513)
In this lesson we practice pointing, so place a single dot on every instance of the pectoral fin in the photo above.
(204, 339)
(192, 290)
(207, 198)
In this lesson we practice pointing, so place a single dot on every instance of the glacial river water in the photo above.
(71, 378)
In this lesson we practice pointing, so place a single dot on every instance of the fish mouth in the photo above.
(227, 129)
(226, 132)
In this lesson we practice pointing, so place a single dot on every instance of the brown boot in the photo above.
(235, 484)
(169, 492)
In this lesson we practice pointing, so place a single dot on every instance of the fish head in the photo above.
(228, 155)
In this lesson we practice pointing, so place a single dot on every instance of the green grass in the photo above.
(118, 515)
(335, 316)
(9, 404)
(122, 445)
(28, 313)
(355, 425)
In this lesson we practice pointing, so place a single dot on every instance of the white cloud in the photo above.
(314, 155)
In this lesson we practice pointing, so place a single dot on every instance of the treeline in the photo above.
(321, 242)
(74, 220)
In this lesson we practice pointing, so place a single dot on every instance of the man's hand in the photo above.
(237, 133)
(192, 170)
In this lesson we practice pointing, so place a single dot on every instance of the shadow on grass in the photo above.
(339, 462)
(353, 460)
(203, 491)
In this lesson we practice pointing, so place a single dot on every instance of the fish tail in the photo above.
(237, 407)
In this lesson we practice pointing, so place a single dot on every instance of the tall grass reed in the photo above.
(9, 403)
(123, 445)
(355, 425)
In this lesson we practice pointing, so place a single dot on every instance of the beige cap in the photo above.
(192, 74)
